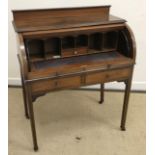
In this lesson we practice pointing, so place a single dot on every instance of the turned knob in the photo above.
(75, 52)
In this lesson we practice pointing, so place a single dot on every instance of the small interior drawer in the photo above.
(68, 52)
(74, 52)
(81, 50)
(107, 76)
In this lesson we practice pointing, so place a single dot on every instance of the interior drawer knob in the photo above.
(109, 66)
(75, 52)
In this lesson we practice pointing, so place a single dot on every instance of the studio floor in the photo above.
(73, 123)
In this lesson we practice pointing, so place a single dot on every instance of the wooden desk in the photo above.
(72, 47)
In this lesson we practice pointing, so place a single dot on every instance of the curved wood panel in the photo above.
(22, 57)
(132, 41)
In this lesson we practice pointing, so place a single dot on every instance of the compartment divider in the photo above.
(76, 47)
(60, 46)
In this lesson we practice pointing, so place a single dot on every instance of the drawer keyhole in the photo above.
(56, 83)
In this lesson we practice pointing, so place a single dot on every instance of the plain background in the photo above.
(132, 11)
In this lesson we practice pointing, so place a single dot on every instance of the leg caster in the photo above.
(123, 128)
(27, 116)
(36, 148)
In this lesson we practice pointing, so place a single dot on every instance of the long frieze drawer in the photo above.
(107, 76)
(77, 81)
(54, 84)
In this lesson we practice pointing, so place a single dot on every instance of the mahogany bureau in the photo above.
(72, 47)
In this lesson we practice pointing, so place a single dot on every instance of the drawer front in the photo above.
(48, 85)
(81, 50)
(67, 52)
(77, 81)
(74, 52)
(108, 76)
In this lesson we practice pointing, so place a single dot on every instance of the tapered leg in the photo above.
(25, 99)
(32, 121)
(125, 105)
(101, 93)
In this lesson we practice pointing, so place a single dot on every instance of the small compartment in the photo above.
(95, 42)
(68, 42)
(68, 46)
(82, 44)
(104, 42)
(35, 49)
(82, 41)
(123, 45)
(52, 47)
(110, 41)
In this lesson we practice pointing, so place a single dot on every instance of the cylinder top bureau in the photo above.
(66, 48)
